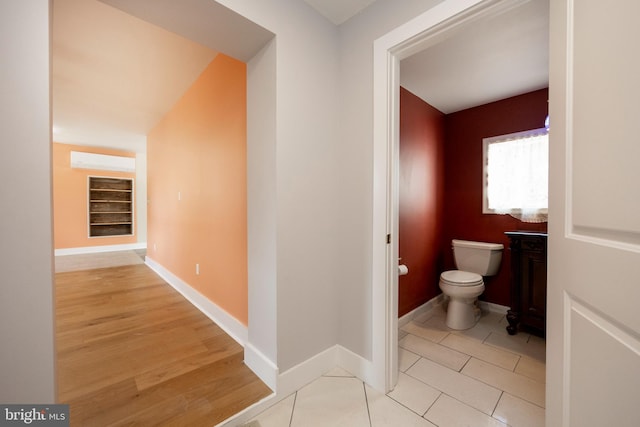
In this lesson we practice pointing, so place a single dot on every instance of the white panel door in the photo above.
(593, 324)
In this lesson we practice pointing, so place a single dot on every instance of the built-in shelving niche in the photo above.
(110, 206)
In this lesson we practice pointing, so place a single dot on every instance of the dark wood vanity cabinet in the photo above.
(528, 282)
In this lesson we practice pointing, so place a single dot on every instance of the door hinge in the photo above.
(388, 239)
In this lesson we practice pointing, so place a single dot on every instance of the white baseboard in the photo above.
(98, 249)
(252, 411)
(304, 373)
(355, 364)
(429, 305)
(287, 383)
(227, 322)
(496, 308)
(433, 302)
(261, 365)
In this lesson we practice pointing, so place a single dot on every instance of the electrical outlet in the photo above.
(197, 269)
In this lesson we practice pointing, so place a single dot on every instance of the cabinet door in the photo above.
(534, 286)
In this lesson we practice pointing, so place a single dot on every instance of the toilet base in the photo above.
(462, 313)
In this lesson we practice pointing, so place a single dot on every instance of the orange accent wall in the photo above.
(70, 210)
(197, 188)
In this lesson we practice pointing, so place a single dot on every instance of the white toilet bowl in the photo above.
(464, 286)
(463, 289)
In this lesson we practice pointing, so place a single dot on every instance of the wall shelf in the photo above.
(110, 207)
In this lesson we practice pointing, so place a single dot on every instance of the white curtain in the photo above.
(518, 176)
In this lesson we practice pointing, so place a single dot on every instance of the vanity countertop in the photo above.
(526, 233)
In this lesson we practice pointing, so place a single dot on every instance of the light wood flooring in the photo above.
(65, 263)
(132, 351)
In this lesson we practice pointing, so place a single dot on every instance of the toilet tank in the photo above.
(477, 257)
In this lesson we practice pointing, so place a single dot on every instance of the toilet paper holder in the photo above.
(402, 269)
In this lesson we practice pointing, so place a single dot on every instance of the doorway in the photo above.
(255, 51)
(426, 31)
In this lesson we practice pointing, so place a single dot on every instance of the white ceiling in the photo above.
(339, 11)
(115, 75)
(120, 65)
(488, 60)
(204, 21)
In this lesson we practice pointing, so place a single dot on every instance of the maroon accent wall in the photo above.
(421, 200)
(464, 219)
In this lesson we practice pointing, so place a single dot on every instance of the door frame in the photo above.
(423, 31)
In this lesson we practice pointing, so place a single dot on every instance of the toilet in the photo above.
(463, 286)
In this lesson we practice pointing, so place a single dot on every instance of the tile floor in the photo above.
(479, 377)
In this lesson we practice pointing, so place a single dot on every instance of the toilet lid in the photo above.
(461, 278)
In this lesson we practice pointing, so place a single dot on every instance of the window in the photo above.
(516, 175)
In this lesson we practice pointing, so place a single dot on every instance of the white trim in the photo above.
(313, 368)
(494, 308)
(354, 364)
(99, 249)
(247, 413)
(427, 306)
(437, 300)
(425, 30)
(261, 365)
(433, 302)
(289, 382)
(227, 322)
(304, 373)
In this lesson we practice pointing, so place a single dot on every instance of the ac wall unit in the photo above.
(105, 162)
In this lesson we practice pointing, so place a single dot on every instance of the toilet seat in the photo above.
(461, 278)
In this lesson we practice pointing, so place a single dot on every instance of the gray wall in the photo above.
(323, 190)
(319, 193)
(27, 354)
(355, 194)
(302, 193)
